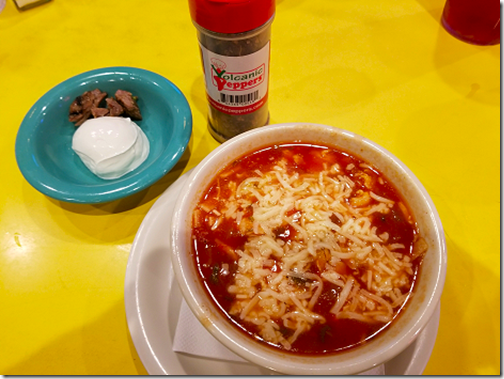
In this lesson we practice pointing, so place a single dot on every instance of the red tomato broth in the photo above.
(214, 247)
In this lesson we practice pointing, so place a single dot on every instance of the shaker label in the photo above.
(236, 85)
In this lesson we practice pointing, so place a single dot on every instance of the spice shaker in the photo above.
(234, 38)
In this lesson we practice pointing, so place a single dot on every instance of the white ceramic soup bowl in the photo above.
(379, 349)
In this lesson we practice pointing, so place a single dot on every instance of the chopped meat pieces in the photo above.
(78, 117)
(98, 96)
(82, 107)
(129, 104)
(76, 106)
(88, 105)
(99, 112)
(114, 107)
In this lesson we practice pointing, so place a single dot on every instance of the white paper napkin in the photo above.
(192, 338)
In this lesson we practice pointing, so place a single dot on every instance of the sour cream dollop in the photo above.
(110, 146)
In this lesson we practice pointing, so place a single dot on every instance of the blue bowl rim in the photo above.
(113, 189)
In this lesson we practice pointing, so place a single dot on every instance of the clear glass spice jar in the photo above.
(234, 37)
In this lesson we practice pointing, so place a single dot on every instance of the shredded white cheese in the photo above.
(274, 286)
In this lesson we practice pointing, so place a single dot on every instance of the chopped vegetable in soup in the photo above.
(306, 248)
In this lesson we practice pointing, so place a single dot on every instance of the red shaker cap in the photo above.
(231, 16)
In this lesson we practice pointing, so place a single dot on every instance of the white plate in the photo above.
(153, 300)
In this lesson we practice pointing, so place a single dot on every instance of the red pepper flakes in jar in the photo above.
(234, 38)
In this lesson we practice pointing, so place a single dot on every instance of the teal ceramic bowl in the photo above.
(44, 141)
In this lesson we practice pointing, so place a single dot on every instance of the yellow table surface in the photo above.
(384, 69)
